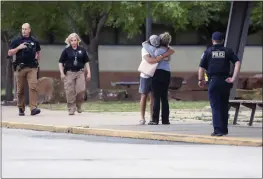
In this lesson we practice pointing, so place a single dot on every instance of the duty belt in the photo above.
(76, 70)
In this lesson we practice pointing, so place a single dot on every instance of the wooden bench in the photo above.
(127, 85)
(252, 104)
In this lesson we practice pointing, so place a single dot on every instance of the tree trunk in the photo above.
(97, 25)
(6, 68)
(90, 43)
(94, 65)
(4, 49)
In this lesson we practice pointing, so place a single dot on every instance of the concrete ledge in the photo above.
(138, 134)
(36, 127)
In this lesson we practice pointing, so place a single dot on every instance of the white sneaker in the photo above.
(142, 122)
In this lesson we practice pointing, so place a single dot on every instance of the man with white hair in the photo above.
(145, 87)
(27, 51)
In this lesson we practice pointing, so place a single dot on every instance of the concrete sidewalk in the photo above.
(128, 122)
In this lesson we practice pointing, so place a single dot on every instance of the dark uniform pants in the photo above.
(22, 77)
(160, 85)
(75, 86)
(219, 91)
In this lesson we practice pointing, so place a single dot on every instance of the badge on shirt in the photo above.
(75, 62)
(80, 51)
(32, 43)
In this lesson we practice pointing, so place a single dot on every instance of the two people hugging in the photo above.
(156, 50)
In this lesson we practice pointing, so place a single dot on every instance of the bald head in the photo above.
(26, 30)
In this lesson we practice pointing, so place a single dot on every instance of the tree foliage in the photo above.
(187, 14)
(256, 15)
(44, 17)
(87, 18)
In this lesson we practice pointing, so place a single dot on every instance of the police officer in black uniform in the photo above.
(73, 63)
(216, 61)
(27, 50)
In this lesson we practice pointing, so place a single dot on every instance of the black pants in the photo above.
(160, 84)
(219, 91)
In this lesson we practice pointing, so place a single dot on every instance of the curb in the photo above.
(35, 127)
(199, 139)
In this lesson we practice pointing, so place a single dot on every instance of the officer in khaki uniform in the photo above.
(72, 62)
(27, 50)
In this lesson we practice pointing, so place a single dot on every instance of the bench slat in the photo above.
(246, 101)
(124, 83)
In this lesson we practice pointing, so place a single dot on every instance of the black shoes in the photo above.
(35, 112)
(155, 123)
(218, 134)
(152, 123)
(21, 112)
(166, 123)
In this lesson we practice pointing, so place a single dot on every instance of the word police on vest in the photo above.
(218, 54)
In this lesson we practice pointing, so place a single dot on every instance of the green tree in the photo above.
(256, 17)
(202, 16)
(61, 18)
(44, 18)
(88, 18)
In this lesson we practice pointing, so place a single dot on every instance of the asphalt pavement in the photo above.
(44, 154)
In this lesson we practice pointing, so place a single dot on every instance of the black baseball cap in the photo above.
(218, 36)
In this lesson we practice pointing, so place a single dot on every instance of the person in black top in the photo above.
(216, 61)
(27, 51)
(72, 62)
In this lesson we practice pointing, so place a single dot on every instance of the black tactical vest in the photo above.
(27, 55)
(218, 61)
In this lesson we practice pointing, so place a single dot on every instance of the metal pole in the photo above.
(237, 30)
(148, 21)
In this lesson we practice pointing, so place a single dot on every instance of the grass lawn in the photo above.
(125, 106)
(3, 91)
